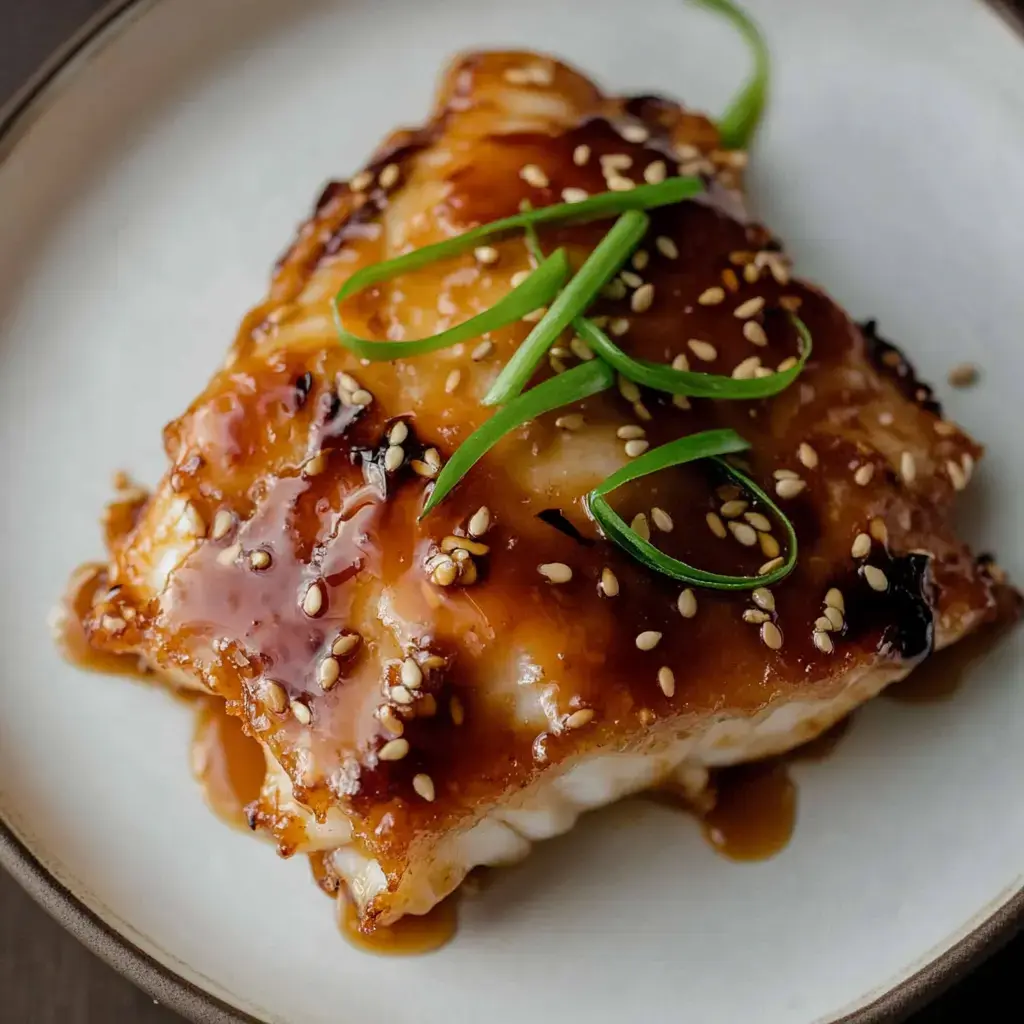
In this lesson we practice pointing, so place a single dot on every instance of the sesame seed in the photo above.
(361, 397)
(393, 750)
(666, 247)
(745, 370)
(628, 389)
(301, 712)
(193, 520)
(571, 421)
(648, 640)
(790, 303)
(486, 254)
(316, 465)
(313, 600)
(680, 362)
(274, 696)
(482, 351)
(580, 718)
(642, 412)
(666, 680)
(834, 617)
(398, 433)
(222, 523)
(615, 162)
(423, 469)
(580, 349)
(730, 280)
(394, 457)
(636, 447)
(822, 641)
(555, 572)
(618, 183)
(519, 277)
(755, 616)
(751, 273)
(345, 644)
(758, 521)
(807, 455)
(445, 572)
(967, 461)
(963, 375)
(575, 195)
(412, 674)
(834, 599)
(401, 695)
(715, 524)
(908, 467)
(479, 522)
(771, 635)
(387, 717)
(861, 547)
(457, 711)
(453, 543)
(687, 603)
(681, 402)
(876, 579)
(662, 520)
(733, 508)
(619, 326)
(424, 786)
(711, 296)
(786, 474)
(260, 560)
(956, 475)
(634, 133)
(727, 492)
(533, 175)
(862, 476)
(347, 382)
(432, 457)
(824, 623)
(789, 488)
(745, 310)
(362, 181)
(452, 381)
(743, 533)
(770, 566)
(763, 371)
(389, 176)
(609, 584)
(580, 155)
(879, 531)
(655, 173)
(764, 599)
(229, 555)
(769, 545)
(630, 279)
(642, 298)
(703, 350)
(630, 432)
(327, 672)
(755, 333)
(639, 526)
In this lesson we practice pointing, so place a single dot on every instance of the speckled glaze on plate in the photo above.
(148, 181)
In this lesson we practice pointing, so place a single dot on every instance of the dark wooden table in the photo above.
(46, 977)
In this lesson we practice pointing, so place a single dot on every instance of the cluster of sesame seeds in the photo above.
(832, 620)
(788, 483)
(429, 466)
(351, 392)
(530, 74)
(960, 473)
(386, 179)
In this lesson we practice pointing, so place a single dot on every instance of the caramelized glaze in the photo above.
(754, 811)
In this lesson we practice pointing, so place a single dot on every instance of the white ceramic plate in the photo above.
(143, 198)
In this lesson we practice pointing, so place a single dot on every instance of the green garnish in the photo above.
(603, 205)
(572, 386)
(600, 267)
(686, 382)
(708, 444)
(741, 118)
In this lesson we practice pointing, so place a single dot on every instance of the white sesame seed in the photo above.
(789, 488)
(313, 599)
(452, 381)
(345, 644)
(580, 155)
(619, 183)
(667, 680)
(681, 402)
(274, 696)
(763, 371)
(876, 579)
(424, 786)
(642, 298)
(823, 622)
(486, 254)
(667, 247)
(445, 572)
(744, 533)
(967, 461)
(770, 566)
(755, 616)
(834, 599)
(771, 635)
(733, 508)
(482, 351)
(764, 599)
(575, 195)
(823, 641)
(863, 474)
(661, 519)
(745, 310)
(457, 711)
(555, 572)
(716, 525)
(834, 617)
(519, 277)
(956, 476)
(387, 717)
(260, 560)
(751, 273)
(769, 545)
(636, 447)
(634, 133)
(703, 350)
(648, 640)
(628, 389)
(745, 369)
(362, 181)
(807, 455)
(193, 521)
(401, 695)
(423, 469)
(533, 175)
(786, 474)
(398, 433)
(619, 326)
(711, 296)
(879, 531)
(759, 522)
(394, 750)
(580, 718)
(908, 467)
(580, 349)
(479, 522)
(327, 672)
(394, 457)
(630, 279)
(630, 432)
(687, 603)
(787, 364)
(680, 362)
(655, 173)
(615, 162)
(361, 397)
(639, 526)
(301, 712)
(412, 674)
(570, 421)
(388, 176)
(609, 583)
(861, 546)
(223, 521)
(755, 333)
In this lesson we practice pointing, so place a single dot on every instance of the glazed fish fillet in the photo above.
(437, 694)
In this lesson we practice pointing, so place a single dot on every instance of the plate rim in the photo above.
(191, 1001)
